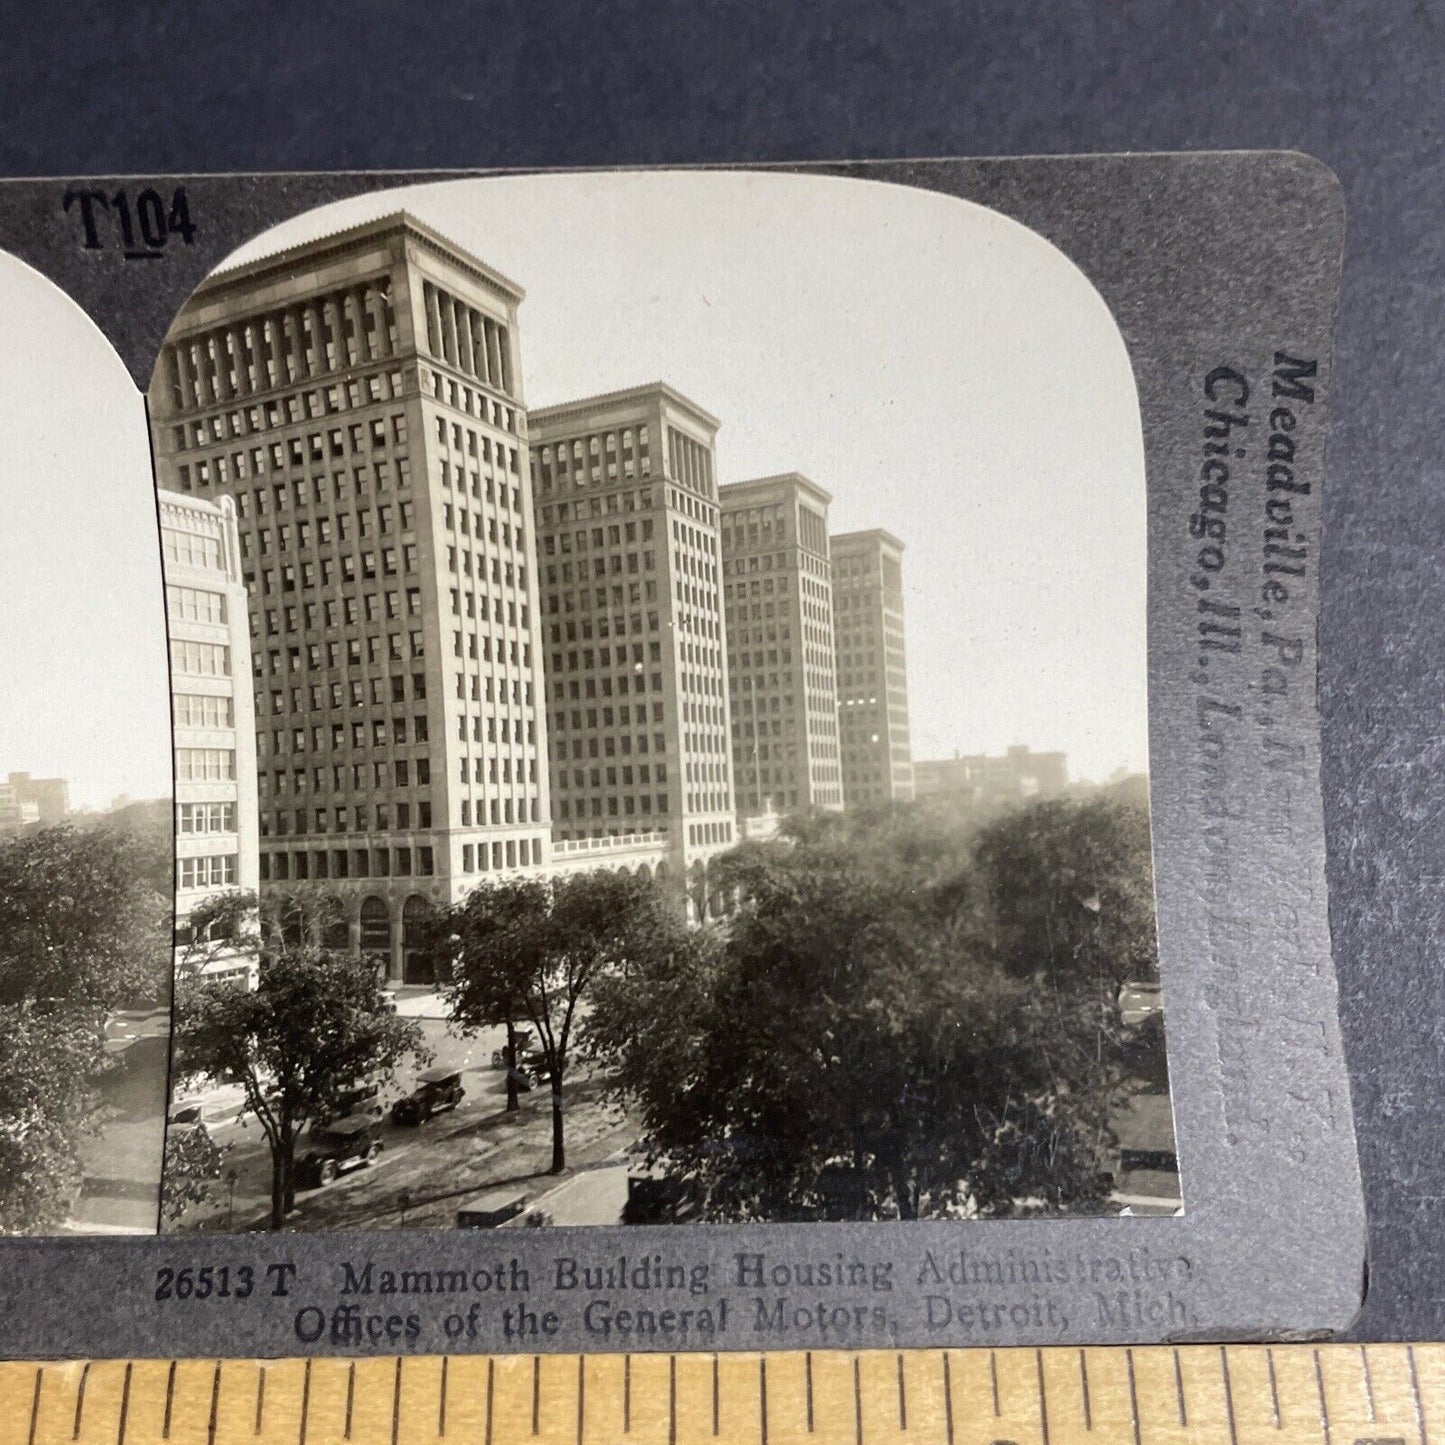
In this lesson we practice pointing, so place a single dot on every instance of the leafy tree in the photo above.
(192, 1165)
(864, 1040)
(316, 1025)
(1070, 888)
(81, 935)
(533, 949)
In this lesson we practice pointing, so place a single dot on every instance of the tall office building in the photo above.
(778, 594)
(872, 669)
(359, 396)
(212, 714)
(627, 524)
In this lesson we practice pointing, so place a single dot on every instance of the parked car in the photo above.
(436, 1091)
(524, 1042)
(363, 1100)
(1139, 1001)
(491, 1208)
(187, 1114)
(334, 1148)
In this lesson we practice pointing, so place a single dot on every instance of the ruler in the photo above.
(1149, 1395)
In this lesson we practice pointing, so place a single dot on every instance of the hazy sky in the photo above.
(945, 373)
(83, 681)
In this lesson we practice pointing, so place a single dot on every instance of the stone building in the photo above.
(212, 715)
(359, 398)
(634, 641)
(25, 800)
(778, 594)
(872, 667)
(983, 783)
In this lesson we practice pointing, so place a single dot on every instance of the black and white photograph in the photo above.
(657, 715)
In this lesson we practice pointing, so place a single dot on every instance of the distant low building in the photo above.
(25, 800)
(983, 782)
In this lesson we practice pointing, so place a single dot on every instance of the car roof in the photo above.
(351, 1124)
(437, 1075)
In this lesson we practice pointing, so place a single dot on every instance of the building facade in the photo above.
(359, 398)
(872, 668)
(983, 783)
(213, 720)
(778, 598)
(25, 800)
(631, 597)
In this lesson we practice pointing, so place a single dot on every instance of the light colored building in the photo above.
(635, 652)
(213, 718)
(982, 782)
(25, 800)
(360, 398)
(778, 594)
(872, 668)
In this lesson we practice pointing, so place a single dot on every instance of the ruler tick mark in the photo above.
(581, 1395)
(35, 1405)
(1043, 1403)
(763, 1399)
(993, 1380)
(215, 1403)
(124, 1406)
(170, 1401)
(536, 1393)
(395, 1402)
(1369, 1383)
(1273, 1386)
(350, 1399)
(626, 1394)
(714, 1395)
(808, 1385)
(261, 1399)
(1179, 1391)
(948, 1397)
(1084, 1387)
(1133, 1395)
(857, 1402)
(672, 1400)
(80, 1400)
(1228, 1395)
(902, 1398)
(1320, 1389)
(305, 1402)
(1415, 1390)
(442, 1400)
(491, 1377)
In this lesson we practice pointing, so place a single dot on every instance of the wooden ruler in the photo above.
(1148, 1395)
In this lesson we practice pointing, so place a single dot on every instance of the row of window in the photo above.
(290, 410)
(205, 817)
(216, 871)
(359, 818)
(347, 863)
(199, 710)
(192, 549)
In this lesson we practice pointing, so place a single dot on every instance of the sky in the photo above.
(944, 372)
(84, 688)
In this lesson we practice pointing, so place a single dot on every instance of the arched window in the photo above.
(376, 927)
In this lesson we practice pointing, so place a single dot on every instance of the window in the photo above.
(205, 764)
(192, 604)
(211, 872)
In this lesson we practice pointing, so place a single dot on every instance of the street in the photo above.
(427, 1171)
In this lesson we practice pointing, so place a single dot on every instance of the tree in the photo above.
(533, 949)
(858, 1044)
(192, 1164)
(1070, 888)
(315, 1025)
(82, 934)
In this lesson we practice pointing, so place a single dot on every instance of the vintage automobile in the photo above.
(187, 1114)
(492, 1208)
(334, 1148)
(524, 1042)
(436, 1091)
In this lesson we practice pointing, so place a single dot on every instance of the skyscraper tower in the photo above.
(778, 589)
(359, 397)
(212, 714)
(627, 523)
(872, 667)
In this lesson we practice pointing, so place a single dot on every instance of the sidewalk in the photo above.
(416, 1001)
